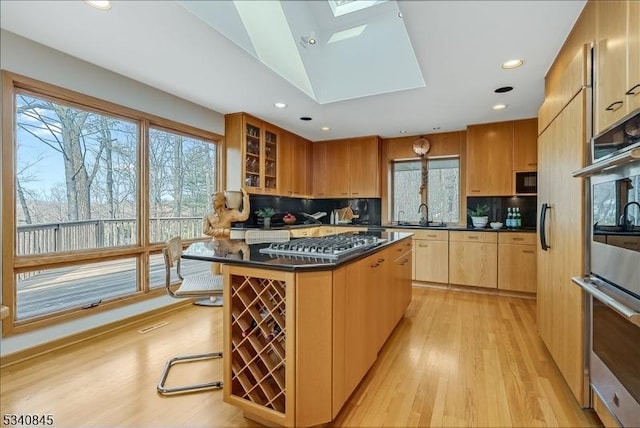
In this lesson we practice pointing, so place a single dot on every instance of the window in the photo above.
(435, 182)
(97, 190)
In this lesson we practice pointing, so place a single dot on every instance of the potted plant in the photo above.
(265, 214)
(479, 216)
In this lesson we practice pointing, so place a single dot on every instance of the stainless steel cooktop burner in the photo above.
(327, 248)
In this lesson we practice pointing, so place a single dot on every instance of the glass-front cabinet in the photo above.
(257, 145)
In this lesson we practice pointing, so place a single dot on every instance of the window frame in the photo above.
(425, 191)
(13, 84)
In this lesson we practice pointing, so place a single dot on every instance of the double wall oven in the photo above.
(613, 282)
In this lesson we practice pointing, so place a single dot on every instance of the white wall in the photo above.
(22, 56)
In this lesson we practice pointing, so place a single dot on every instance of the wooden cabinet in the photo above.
(347, 168)
(517, 262)
(525, 145)
(295, 166)
(304, 232)
(320, 168)
(255, 145)
(618, 71)
(560, 303)
(337, 173)
(490, 159)
(473, 258)
(431, 256)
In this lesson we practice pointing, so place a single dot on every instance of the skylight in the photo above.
(342, 7)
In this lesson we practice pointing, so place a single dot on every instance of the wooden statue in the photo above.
(217, 223)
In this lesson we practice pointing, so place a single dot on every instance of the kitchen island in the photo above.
(300, 332)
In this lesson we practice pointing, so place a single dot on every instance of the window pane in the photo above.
(406, 190)
(75, 178)
(182, 179)
(54, 290)
(443, 190)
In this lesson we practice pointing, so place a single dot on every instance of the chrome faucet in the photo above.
(624, 221)
(398, 217)
(424, 219)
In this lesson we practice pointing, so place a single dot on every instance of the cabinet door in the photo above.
(560, 303)
(363, 173)
(320, 166)
(473, 263)
(253, 155)
(431, 261)
(612, 61)
(490, 159)
(286, 164)
(270, 152)
(633, 60)
(337, 172)
(517, 268)
(525, 145)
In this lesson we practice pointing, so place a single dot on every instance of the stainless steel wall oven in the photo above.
(613, 282)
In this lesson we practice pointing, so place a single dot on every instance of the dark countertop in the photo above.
(458, 228)
(238, 252)
(303, 226)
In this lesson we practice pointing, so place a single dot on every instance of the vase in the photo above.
(267, 222)
(480, 222)
(233, 199)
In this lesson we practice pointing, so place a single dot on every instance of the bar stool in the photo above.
(191, 286)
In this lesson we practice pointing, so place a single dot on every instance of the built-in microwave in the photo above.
(621, 137)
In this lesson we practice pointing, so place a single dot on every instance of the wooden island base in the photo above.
(297, 343)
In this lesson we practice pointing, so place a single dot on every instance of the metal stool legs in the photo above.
(187, 388)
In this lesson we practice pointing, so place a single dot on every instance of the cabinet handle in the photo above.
(472, 237)
(518, 239)
(614, 106)
(431, 235)
(632, 91)
(380, 260)
(344, 193)
(475, 190)
(355, 193)
(423, 245)
(528, 251)
(532, 164)
(543, 221)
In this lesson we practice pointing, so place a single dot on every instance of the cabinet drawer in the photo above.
(517, 238)
(468, 236)
(303, 233)
(431, 235)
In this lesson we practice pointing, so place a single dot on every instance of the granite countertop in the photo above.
(303, 226)
(238, 252)
(457, 228)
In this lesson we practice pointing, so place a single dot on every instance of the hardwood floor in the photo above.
(456, 359)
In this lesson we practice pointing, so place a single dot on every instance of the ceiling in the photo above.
(459, 47)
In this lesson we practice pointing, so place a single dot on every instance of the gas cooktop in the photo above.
(328, 247)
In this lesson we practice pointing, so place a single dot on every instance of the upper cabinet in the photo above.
(295, 159)
(496, 152)
(256, 144)
(347, 168)
(525, 145)
(618, 62)
(490, 159)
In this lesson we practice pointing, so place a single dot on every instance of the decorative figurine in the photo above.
(217, 223)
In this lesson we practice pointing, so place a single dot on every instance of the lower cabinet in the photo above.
(431, 256)
(473, 258)
(517, 262)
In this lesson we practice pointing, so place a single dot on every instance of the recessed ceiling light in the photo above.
(305, 118)
(403, 131)
(326, 128)
(279, 105)
(436, 128)
(512, 63)
(499, 107)
(504, 89)
(102, 5)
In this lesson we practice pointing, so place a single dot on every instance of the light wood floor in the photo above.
(456, 359)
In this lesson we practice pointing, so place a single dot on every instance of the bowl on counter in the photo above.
(496, 225)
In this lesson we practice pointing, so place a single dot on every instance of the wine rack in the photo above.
(258, 339)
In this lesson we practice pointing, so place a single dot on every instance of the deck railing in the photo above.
(104, 233)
